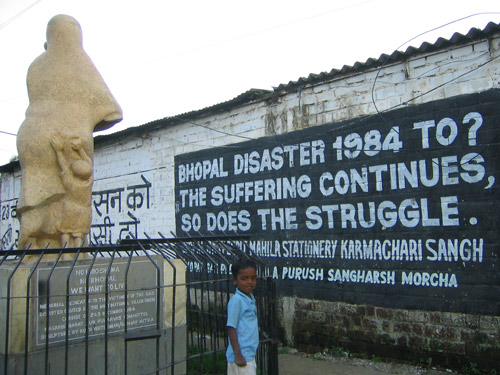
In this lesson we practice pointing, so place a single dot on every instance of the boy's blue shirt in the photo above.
(242, 316)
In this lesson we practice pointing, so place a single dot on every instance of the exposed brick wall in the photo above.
(443, 338)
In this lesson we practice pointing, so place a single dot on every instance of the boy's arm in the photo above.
(233, 338)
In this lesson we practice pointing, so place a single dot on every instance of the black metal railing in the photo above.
(149, 306)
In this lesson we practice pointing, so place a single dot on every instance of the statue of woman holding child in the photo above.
(68, 101)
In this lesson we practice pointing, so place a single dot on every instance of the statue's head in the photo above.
(62, 32)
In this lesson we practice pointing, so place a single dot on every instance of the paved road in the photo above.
(299, 364)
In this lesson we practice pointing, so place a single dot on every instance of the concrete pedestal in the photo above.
(92, 314)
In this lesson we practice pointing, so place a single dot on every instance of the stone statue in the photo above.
(68, 101)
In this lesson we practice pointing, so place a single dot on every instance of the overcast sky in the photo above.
(162, 58)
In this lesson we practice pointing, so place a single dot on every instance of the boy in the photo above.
(242, 324)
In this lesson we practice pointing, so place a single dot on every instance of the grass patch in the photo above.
(339, 352)
(208, 363)
(283, 350)
(474, 369)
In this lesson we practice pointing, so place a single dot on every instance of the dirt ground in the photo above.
(294, 363)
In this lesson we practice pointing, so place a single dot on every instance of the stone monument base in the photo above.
(139, 357)
(90, 315)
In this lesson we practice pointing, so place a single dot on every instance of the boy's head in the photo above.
(244, 275)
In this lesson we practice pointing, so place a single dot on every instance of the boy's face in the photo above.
(246, 280)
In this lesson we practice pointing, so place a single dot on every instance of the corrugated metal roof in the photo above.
(397, 56)
(371, 63)
(254, 95)
(245, 98)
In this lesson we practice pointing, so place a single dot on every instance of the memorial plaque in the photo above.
(81, 314)
(106, 298)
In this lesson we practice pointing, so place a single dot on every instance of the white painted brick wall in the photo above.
(120, 163)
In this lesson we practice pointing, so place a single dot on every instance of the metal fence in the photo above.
(152, 306)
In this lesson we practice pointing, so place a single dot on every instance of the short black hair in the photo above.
(241, 264)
